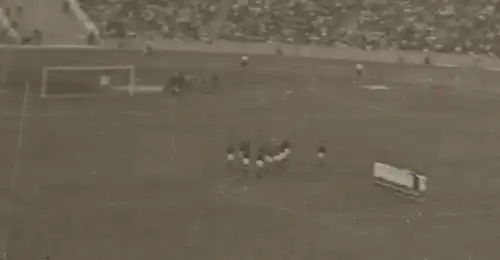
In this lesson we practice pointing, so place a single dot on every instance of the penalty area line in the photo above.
(15, 170)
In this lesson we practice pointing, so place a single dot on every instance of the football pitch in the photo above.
(145, 177)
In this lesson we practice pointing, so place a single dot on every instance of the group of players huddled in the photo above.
(268, 158)
(180, 82)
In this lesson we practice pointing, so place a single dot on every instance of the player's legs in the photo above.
(176, 90)
(245, 166)
(359, 72)
(321, 156)
(284, 160)
(230, 161)
(269, 163)
(280, 161)
(260, 168)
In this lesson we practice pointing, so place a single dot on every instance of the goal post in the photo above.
(82, 81)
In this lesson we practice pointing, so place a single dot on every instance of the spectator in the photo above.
(91, 39)
(19, 10)
(66, 7)
(25, 40)
(37, 36)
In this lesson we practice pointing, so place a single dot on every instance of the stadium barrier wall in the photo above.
(26, 62)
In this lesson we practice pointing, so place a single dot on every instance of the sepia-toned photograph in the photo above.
(249, 130)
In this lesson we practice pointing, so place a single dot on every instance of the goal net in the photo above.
(81, 81)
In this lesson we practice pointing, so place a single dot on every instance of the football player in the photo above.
(359, 70)
(321, 155)
(244, 61)
(260, 163)
(230, 157)
(245, 161)
(243, 148)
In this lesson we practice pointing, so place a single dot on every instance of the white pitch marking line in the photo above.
(15, 169)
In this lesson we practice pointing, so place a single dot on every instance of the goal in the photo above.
(81, 81)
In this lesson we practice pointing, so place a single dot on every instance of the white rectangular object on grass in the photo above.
(400, 177)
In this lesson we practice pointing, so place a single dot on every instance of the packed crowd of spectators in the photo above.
(290, 21)
(435, 25)
(183, 19)
(438, 25)
(12, 29)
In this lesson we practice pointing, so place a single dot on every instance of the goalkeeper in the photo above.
(175, 83)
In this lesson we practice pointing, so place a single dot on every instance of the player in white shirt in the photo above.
(360, 68)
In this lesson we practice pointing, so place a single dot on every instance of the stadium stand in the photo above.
(153, 19)
(437, 25)
(43, 22)
(294, 22)
(469, 27)
(8, 34)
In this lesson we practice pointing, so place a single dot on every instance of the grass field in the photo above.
(145, 178)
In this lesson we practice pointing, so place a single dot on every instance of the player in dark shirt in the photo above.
(175, 82)
(321, 152)
(286, 149)
(215, 80)
(278, 158)
(171, 86)
(181, 79)
(230, 157)
(260, 162)
(321, 155)
(66, 7)
(245, 163)
(267, 157)
(148, 48)
(243, 148)
(26, 40)
(244, 61)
